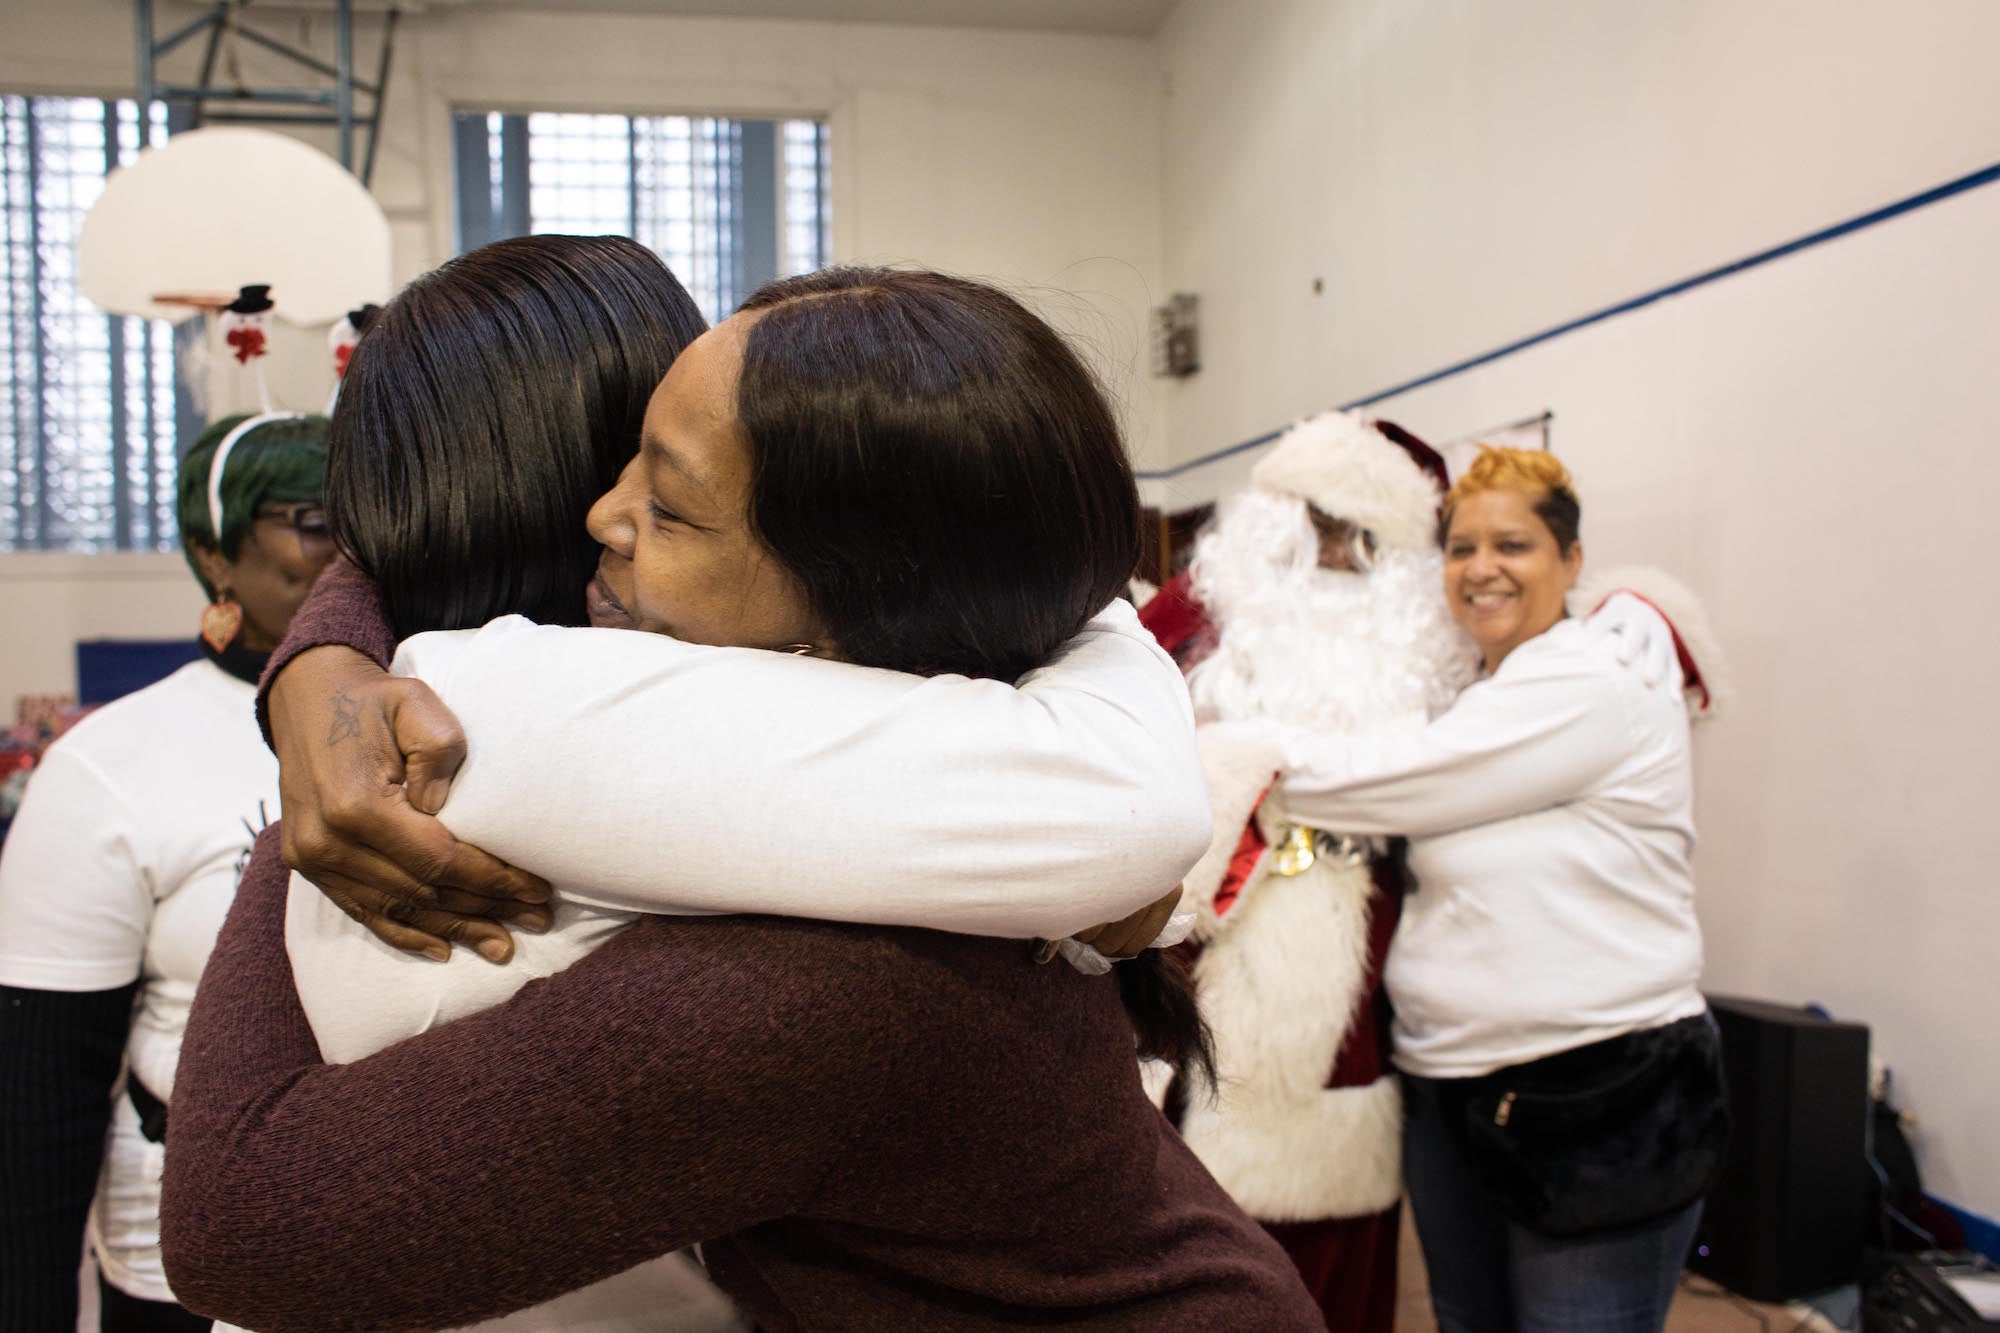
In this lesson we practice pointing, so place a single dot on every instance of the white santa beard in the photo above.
(1336, 651)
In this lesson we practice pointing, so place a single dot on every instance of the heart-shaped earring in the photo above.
(221, 620)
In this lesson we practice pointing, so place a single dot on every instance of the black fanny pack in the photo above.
(1608, 1136)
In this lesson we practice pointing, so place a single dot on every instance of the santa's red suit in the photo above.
(1305, 1126)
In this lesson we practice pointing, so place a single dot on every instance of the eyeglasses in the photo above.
(308, 520)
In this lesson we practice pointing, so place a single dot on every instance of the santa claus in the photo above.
(1317, 601)
(1322, 588)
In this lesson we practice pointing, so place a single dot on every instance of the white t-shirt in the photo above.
(121, 865)
(641, 774)
(1550, 813)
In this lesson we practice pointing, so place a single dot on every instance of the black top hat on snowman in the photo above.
(251, 300)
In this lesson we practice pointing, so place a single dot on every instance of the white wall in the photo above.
(1461, 173)
(52, 601)
(1031, 159)
(1808, 444)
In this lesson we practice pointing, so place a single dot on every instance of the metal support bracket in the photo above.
(208, 100)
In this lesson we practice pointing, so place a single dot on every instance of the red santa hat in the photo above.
(1373, 474)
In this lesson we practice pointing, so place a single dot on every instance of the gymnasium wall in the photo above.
(1456, 174)
(1808, 443)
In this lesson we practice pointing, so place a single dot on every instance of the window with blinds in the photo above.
(89, 410)
(728, 204)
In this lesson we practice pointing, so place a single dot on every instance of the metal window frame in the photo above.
(137, 518)
(743, 216)
(480, 219)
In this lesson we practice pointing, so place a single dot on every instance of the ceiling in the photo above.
(1123, 18)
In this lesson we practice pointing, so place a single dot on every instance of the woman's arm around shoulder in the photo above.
(641, 773)
(1555, 718)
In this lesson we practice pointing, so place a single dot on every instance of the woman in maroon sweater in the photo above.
(862, 1127)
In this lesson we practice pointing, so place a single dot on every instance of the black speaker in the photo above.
(1912, 1293)
(1787, 1217)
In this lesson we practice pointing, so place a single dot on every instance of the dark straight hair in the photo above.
(936, 466)
(1562, 513)
(944, 477)
(485, 409)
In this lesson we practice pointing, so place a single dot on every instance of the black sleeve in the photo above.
(59, 1056)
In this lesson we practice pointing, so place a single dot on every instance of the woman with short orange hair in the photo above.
(1561, 1074)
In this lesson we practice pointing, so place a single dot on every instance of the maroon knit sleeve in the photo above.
(344, 608)
(648, 1097)
(246, 1015)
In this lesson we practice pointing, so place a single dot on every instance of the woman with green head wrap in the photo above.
(116, 875)
(248, 498)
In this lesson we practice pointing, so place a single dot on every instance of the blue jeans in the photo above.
(1490, 1275)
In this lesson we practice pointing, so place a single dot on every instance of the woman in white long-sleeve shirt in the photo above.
(1563, 1105)
(832, 784)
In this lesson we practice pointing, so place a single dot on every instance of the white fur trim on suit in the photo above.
(1341, 465)
(1280, 983)
(1339, 1155)
(1238, 771)
(1680, 605)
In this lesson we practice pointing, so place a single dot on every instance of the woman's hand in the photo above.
(365, 761)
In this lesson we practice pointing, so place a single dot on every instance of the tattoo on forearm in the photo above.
(346, 719)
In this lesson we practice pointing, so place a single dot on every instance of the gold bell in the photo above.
(1295, 855)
